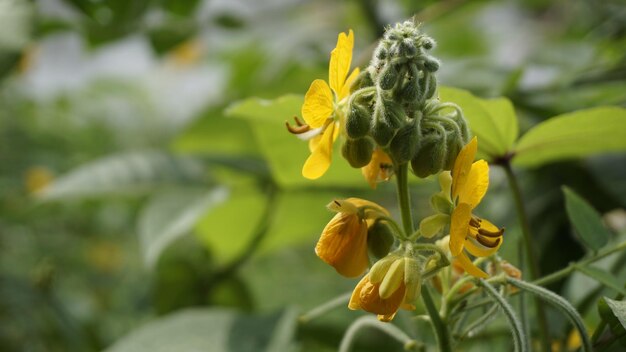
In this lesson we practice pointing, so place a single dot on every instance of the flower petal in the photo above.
(378, 169)
(318, 104)
(459, 227)
(432, 225)
(340, 60)
(462, 167)
(343, 245)
(345, 90)
(319, 160)
(469, 267)
(478, 250)
(362, 203)
(355, 299)
(476, 185)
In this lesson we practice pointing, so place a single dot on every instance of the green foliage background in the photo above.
(175, 213)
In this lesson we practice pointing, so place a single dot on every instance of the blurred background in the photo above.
(138, 183)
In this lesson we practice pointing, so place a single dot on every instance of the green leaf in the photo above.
(215, 330)
(171, 214)
(586, 220)
(573, 135)
(619, 310)
(126, 173)
(603, 277)
(493, 121)
(285, 153)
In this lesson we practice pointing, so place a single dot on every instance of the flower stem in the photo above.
(404, 199)
(441, 330)
(533, 265)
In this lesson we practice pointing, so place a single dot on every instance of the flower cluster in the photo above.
(389, 118)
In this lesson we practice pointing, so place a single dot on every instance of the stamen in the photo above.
(486, 243)
(475, 222)
(300, 127)
(491, 234)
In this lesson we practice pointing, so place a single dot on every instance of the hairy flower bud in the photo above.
(388, 77)
(358, 122)
(429, 158)
(404, 144)
(358, 152)
(379, 239)
(364, 79)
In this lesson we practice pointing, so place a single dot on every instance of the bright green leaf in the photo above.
(286, 153)
(215, 330)
(493, 121)
(573, 135)
(125, 173)
(586, 220)
(171, 214)
(603, 277)
(619, 309)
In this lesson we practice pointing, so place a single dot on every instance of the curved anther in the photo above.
(491, 234)
(486, 243)
(475, 222)
(299, 128)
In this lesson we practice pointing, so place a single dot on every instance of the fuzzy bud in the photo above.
(404, 144)
(379, 239)
(358, 122)
(364, 79)
(388, 77)
(358, 152)
(429, 158)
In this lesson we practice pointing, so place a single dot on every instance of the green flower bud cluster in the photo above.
(393, 105)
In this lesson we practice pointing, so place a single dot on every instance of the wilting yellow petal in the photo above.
(432, 225)
(340, 60)
(345, 90)
(378, 169)
(459, 226)
(366, 203)
(469, 267)
(462, 166)
(319, 160)
(476, 185)
(355, 299)
(343, 245)
(369, 299)
(318, 104)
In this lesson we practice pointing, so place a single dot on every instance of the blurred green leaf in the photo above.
(493, 121)
(586, 220)
(171, 214)
(573, 135)
(15, 24)
(618, 308)
(603, 277)
(181, 8)
(125, 173)
(286, 153)
(215, 330)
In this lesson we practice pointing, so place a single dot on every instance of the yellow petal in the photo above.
(478, 250)
(319, 160)
(445, 181)
(476, 185)
(355, 299)
(459, 226)
(462, 166)
(343, 245)
(340, 60)
(362, 203)
(433, 224)
(378, 169)
(318, 104)
(370, 301)
(392, 280)
(380, 268)
(345, 90)
(469, 267)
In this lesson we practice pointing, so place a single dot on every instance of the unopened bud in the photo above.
(454, 147)
(358, 122)
(364, 79)
(388, 77)
(431, 64)
(358, 152)
(393, 279)
(412, 280)
(404, 144)
(379, 239)
(429, 158)
(429, 85)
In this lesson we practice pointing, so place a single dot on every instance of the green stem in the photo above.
(326, 307)
(404, 199)
(533, 265)
(389, 329)
(441, 330)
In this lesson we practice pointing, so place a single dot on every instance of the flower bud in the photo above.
(429, 85)
(454, 147)
(393, 279)
(404, 144)
(412, 279)
(431, 64)
(410, 91)
(364, 79)
(358, 122)
(429, 158)
(388, 118)
(358, 152)
(379, 239)
(388, 77)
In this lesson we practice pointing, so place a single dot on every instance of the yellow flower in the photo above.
(323, 108)
(343, 243)
(387, 288)
(477, 236)
(380, 168)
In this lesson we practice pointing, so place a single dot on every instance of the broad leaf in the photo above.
(493, 121)
(286, 153)
(586, 220)
(171, 214)
(215, 330)
(603, 277)
(573, 135)
(619, 309)
(126, 173)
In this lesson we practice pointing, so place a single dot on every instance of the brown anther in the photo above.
(300, 127)
(336, 202)
(474, 222)
(491, 234)
(486, 243)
